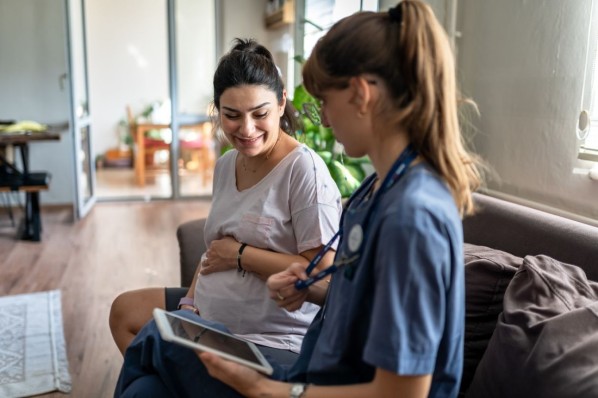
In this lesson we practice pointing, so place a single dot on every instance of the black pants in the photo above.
(173, 295)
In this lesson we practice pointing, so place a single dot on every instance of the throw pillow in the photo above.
(487, 275)
(545, 343)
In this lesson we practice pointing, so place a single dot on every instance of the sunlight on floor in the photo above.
(120, 183)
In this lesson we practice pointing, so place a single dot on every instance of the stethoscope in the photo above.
(358, 234)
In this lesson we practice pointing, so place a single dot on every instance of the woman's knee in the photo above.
(131, 310)
(121, 306)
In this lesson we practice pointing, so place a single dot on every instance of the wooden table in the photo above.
(12, 179)
(138, 131)
(25, 137)
(21, 140)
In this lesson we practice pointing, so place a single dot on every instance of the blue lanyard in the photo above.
(397, 170)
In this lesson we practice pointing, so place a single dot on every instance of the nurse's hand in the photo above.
(220, 256)
(245, 380)
(282, 287)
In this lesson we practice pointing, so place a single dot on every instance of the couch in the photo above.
(529, 290)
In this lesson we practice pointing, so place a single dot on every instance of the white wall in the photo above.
(127, 62)
(196, 54)
(523, 63)
(245, 19)
(32, 61)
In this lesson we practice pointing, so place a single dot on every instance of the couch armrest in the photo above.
(191, 246)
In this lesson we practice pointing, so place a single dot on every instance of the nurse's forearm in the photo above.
(317, 292)
(264, 263)
(385, 384)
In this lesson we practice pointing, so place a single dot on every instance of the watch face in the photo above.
(297, 390)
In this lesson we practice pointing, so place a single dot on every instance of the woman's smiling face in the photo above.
(250, 118)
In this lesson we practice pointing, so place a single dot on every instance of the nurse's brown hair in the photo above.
(409, 50)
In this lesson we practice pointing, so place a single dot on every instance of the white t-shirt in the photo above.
(296, 207)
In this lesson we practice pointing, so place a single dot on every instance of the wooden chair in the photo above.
(145, 147)
(197, 144)
(31, 184)
(196, 141)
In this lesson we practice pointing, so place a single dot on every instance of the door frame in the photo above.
(82, 205)
(173, 79)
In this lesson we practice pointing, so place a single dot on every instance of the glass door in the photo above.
(192, 56)
(80, 115)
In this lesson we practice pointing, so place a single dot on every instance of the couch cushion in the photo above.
(487, 275)
(191, 245)
(545, 343)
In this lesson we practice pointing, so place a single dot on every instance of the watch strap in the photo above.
(185, 301)
(239, 266)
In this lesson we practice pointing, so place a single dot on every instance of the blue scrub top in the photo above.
(403, 307)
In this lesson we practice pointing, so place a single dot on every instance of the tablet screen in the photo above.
(211, 338)
(192, 334)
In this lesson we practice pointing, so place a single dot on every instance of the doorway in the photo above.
(150, 77)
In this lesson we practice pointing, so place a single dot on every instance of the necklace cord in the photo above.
(245, 168)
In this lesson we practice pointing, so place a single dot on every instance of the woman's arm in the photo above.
(265, 263)
(222, 255)
(191, 292)
(218, 258)
(251, 384)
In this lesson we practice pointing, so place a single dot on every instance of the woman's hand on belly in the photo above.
(221, 256)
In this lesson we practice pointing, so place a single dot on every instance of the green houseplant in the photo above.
(347, 172)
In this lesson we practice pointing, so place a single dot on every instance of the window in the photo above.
(320, 15)
(587, 129)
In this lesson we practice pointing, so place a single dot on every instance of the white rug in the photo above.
(32, 349)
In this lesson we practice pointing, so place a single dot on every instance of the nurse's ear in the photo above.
(362, 95)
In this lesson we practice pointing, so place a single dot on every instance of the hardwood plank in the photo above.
(117, 247)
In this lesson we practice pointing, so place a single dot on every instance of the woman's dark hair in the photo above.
(249, 63)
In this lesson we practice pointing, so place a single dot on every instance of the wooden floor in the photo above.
(117, 247)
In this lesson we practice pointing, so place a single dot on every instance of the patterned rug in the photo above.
(32, 349)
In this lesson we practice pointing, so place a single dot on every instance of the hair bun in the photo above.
(252, 46)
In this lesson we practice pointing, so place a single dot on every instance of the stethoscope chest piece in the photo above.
(355, 238)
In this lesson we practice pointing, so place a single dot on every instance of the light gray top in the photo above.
(296, 207)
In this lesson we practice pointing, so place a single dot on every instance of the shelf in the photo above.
(283, 16)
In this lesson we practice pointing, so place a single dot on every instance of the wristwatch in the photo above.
(185, 301)
(298, 389)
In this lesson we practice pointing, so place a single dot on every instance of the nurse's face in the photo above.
(340, 114)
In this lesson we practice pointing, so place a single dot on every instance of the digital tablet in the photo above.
(180, 330)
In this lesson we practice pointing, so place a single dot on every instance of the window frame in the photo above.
(587, 124)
